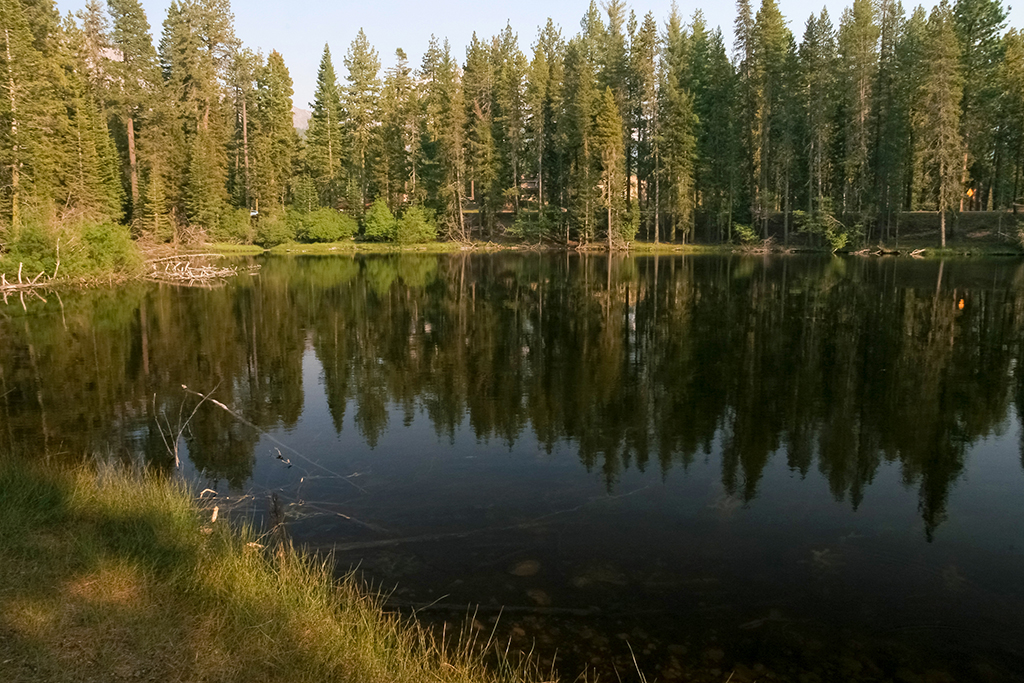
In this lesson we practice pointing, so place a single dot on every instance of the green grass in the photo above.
(232, 249)
(109, 575)
(350, 246)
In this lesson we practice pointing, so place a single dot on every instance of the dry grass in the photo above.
(112, 576)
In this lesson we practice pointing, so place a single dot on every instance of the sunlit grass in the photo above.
(232, 249)
(112, 575)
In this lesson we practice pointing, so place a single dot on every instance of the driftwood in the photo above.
(181, 270)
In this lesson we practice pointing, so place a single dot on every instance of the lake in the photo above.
(789, 468)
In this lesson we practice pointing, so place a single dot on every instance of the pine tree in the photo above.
(324, 151)
(195, 49)
(443, 137)
(910, 60)
(1011, 80)
(937, 115)
(509, 65)
(607, 138)
(676, 143)
(579, 104)
(818, 96)
(772, 43)
(711, 82)
(244, 67)
(858, 55)
(643, 91)
(135, 80)
(19, 67)
(397, 135)
(538, 81)
(360, 107)
(275, 140)
(89, 178)
(482, 163)
(978, 25)
(890, 131)
(551, 185)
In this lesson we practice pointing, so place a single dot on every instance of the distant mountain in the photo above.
(300, 119)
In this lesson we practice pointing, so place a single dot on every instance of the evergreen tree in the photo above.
(607, 137)
(643, 95)
(360, 107)
(716, 146)
(818, 96)
(889, 116)
(275, 140)
(482, 163)
(89, 180)
(551, 185)
(579, 104)
(1011, 80)
(443, 137)
(910, 59)
(397, 135)
(858, 57)
(937, 116)
(244, 67)
(676, 124)
(772, 44)
(538, 81)
(135, 81)
(324, 151)
(19, 67)
(978, 25)
(509, 65)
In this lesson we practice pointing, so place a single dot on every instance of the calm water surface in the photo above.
(790, 468)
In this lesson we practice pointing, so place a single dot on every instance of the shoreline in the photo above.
(114, 574)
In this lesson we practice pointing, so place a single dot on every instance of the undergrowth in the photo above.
(112, 575)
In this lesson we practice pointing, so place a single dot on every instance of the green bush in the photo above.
(235, 226)
(629, 226)
(416, 226)
(746, 234)
(530, 228)
(379, 224)
(326, 225)
(110, 248)
(84, 248)
(274, 229)
(836, 235)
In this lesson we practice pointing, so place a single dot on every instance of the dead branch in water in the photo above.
(181, 270)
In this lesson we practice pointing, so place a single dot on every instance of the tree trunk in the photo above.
(133, 164)
(785, 213)
(609, 215)
(15, 158)
(245, 147)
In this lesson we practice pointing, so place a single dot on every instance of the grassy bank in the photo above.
(113, 576)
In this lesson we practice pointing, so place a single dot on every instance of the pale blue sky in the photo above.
(298, 30)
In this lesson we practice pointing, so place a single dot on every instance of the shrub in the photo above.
(274, 229)
(84, 248)
(416, 226)
(326, 225)
(235, 226)
(110, 248)
(746, 234)
(530, 228)
(836, 235)
(379, 224)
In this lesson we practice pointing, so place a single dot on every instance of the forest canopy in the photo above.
(631, 127)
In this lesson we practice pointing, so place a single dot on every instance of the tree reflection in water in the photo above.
(836, 364)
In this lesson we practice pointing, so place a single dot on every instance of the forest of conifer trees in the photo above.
(633, 128)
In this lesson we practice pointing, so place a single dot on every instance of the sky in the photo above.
(299, 29)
